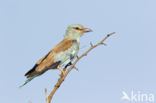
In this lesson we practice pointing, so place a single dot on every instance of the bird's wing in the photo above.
(49, 61)
(63, 46)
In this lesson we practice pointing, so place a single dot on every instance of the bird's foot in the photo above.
(62, 71)
(69, 64)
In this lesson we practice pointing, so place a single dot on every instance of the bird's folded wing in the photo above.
(48, 61)
(63, 45)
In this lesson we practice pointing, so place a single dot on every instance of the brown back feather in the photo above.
(47, 61)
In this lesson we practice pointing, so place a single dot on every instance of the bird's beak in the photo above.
(87, 30)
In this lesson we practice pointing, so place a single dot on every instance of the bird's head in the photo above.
(75, 31)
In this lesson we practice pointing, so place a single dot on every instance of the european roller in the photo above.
(61, 55)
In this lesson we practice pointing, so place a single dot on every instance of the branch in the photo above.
(62, 78)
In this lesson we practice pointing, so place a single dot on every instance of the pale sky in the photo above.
(30, 28)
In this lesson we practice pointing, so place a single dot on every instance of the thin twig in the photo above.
(62, 78)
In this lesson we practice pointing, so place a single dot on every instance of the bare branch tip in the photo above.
(45, 90)
(91, 44)
(112, 33)
(104, 44)
(76, 68)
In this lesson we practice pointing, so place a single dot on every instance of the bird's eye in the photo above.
(77, 28)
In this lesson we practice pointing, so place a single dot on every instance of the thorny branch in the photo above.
(62, 78)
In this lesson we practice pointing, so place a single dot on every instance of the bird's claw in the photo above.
(62, 71)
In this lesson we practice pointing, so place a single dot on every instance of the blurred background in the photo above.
(30, 28)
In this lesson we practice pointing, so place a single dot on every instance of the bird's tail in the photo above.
(28, 80)
(31, 74)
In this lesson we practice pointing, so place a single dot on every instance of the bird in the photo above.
(61, 55)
